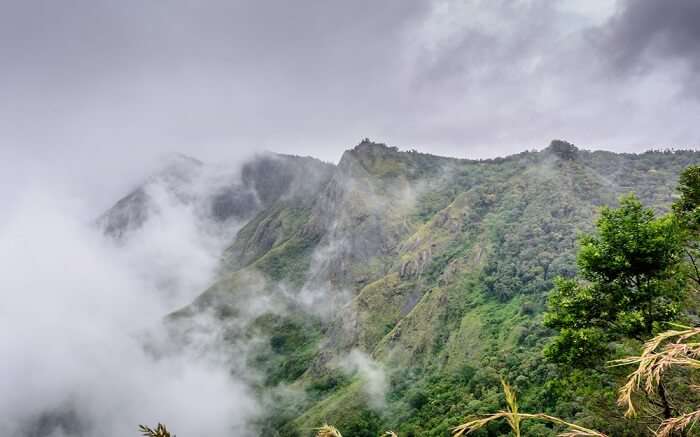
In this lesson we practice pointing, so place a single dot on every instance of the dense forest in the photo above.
(413, 293)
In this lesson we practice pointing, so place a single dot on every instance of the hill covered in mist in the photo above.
(394, 289)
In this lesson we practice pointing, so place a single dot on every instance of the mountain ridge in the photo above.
(430, 266)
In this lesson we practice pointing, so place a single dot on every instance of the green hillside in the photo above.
(434, 269)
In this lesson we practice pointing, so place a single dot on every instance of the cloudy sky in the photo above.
(95, 89)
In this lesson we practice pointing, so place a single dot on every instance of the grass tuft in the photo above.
(514, 417)
(159, 431)
(328, 431)
(670, 426)
(653, 363)
(669, 349)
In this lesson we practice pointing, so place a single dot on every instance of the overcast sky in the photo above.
(92, 90)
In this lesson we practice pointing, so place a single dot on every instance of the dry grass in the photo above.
(514, 417)
(653, 363)
(328, 431)
(159, 431)
(669, 349)
(680, 423)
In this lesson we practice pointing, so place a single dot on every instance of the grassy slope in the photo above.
(459, 321)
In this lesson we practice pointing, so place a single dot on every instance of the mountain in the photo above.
(216, 194)
(395, 289)
(132, 211)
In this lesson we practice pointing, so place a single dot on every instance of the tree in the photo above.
(629, 284)
(687, 206)
(687, 212)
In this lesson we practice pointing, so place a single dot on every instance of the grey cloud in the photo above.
(513, 33)
(524, 70)
(120, 82)
(95, 90)
(644, 34)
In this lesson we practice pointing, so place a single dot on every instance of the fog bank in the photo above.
(84, 351)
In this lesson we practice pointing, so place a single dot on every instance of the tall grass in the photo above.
(328, 431)
(674, 348)
(513, 417)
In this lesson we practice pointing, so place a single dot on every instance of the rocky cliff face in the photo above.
(423, 263)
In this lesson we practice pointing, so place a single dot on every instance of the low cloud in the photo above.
(81, 335)
(374, 380)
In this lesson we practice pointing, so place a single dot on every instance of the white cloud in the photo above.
(371, 372)
(81, 335)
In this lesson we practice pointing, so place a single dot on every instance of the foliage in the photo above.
(687, 211)
(628, 284)
(686, 207)
(292, 343)
(513, 417)
(288, 261)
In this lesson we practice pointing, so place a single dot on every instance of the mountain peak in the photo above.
(369, 157)
(562, 149)
(367, 145)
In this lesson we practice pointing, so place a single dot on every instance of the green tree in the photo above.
(629, 283)
(687, 212)
(687, 207)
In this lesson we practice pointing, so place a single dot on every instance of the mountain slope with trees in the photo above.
(436, 272)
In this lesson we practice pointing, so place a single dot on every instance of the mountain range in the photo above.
(395, 289)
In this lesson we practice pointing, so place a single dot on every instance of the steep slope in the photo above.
(469, 284)
(434, 271)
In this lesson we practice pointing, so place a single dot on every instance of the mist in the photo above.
(84, 348)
